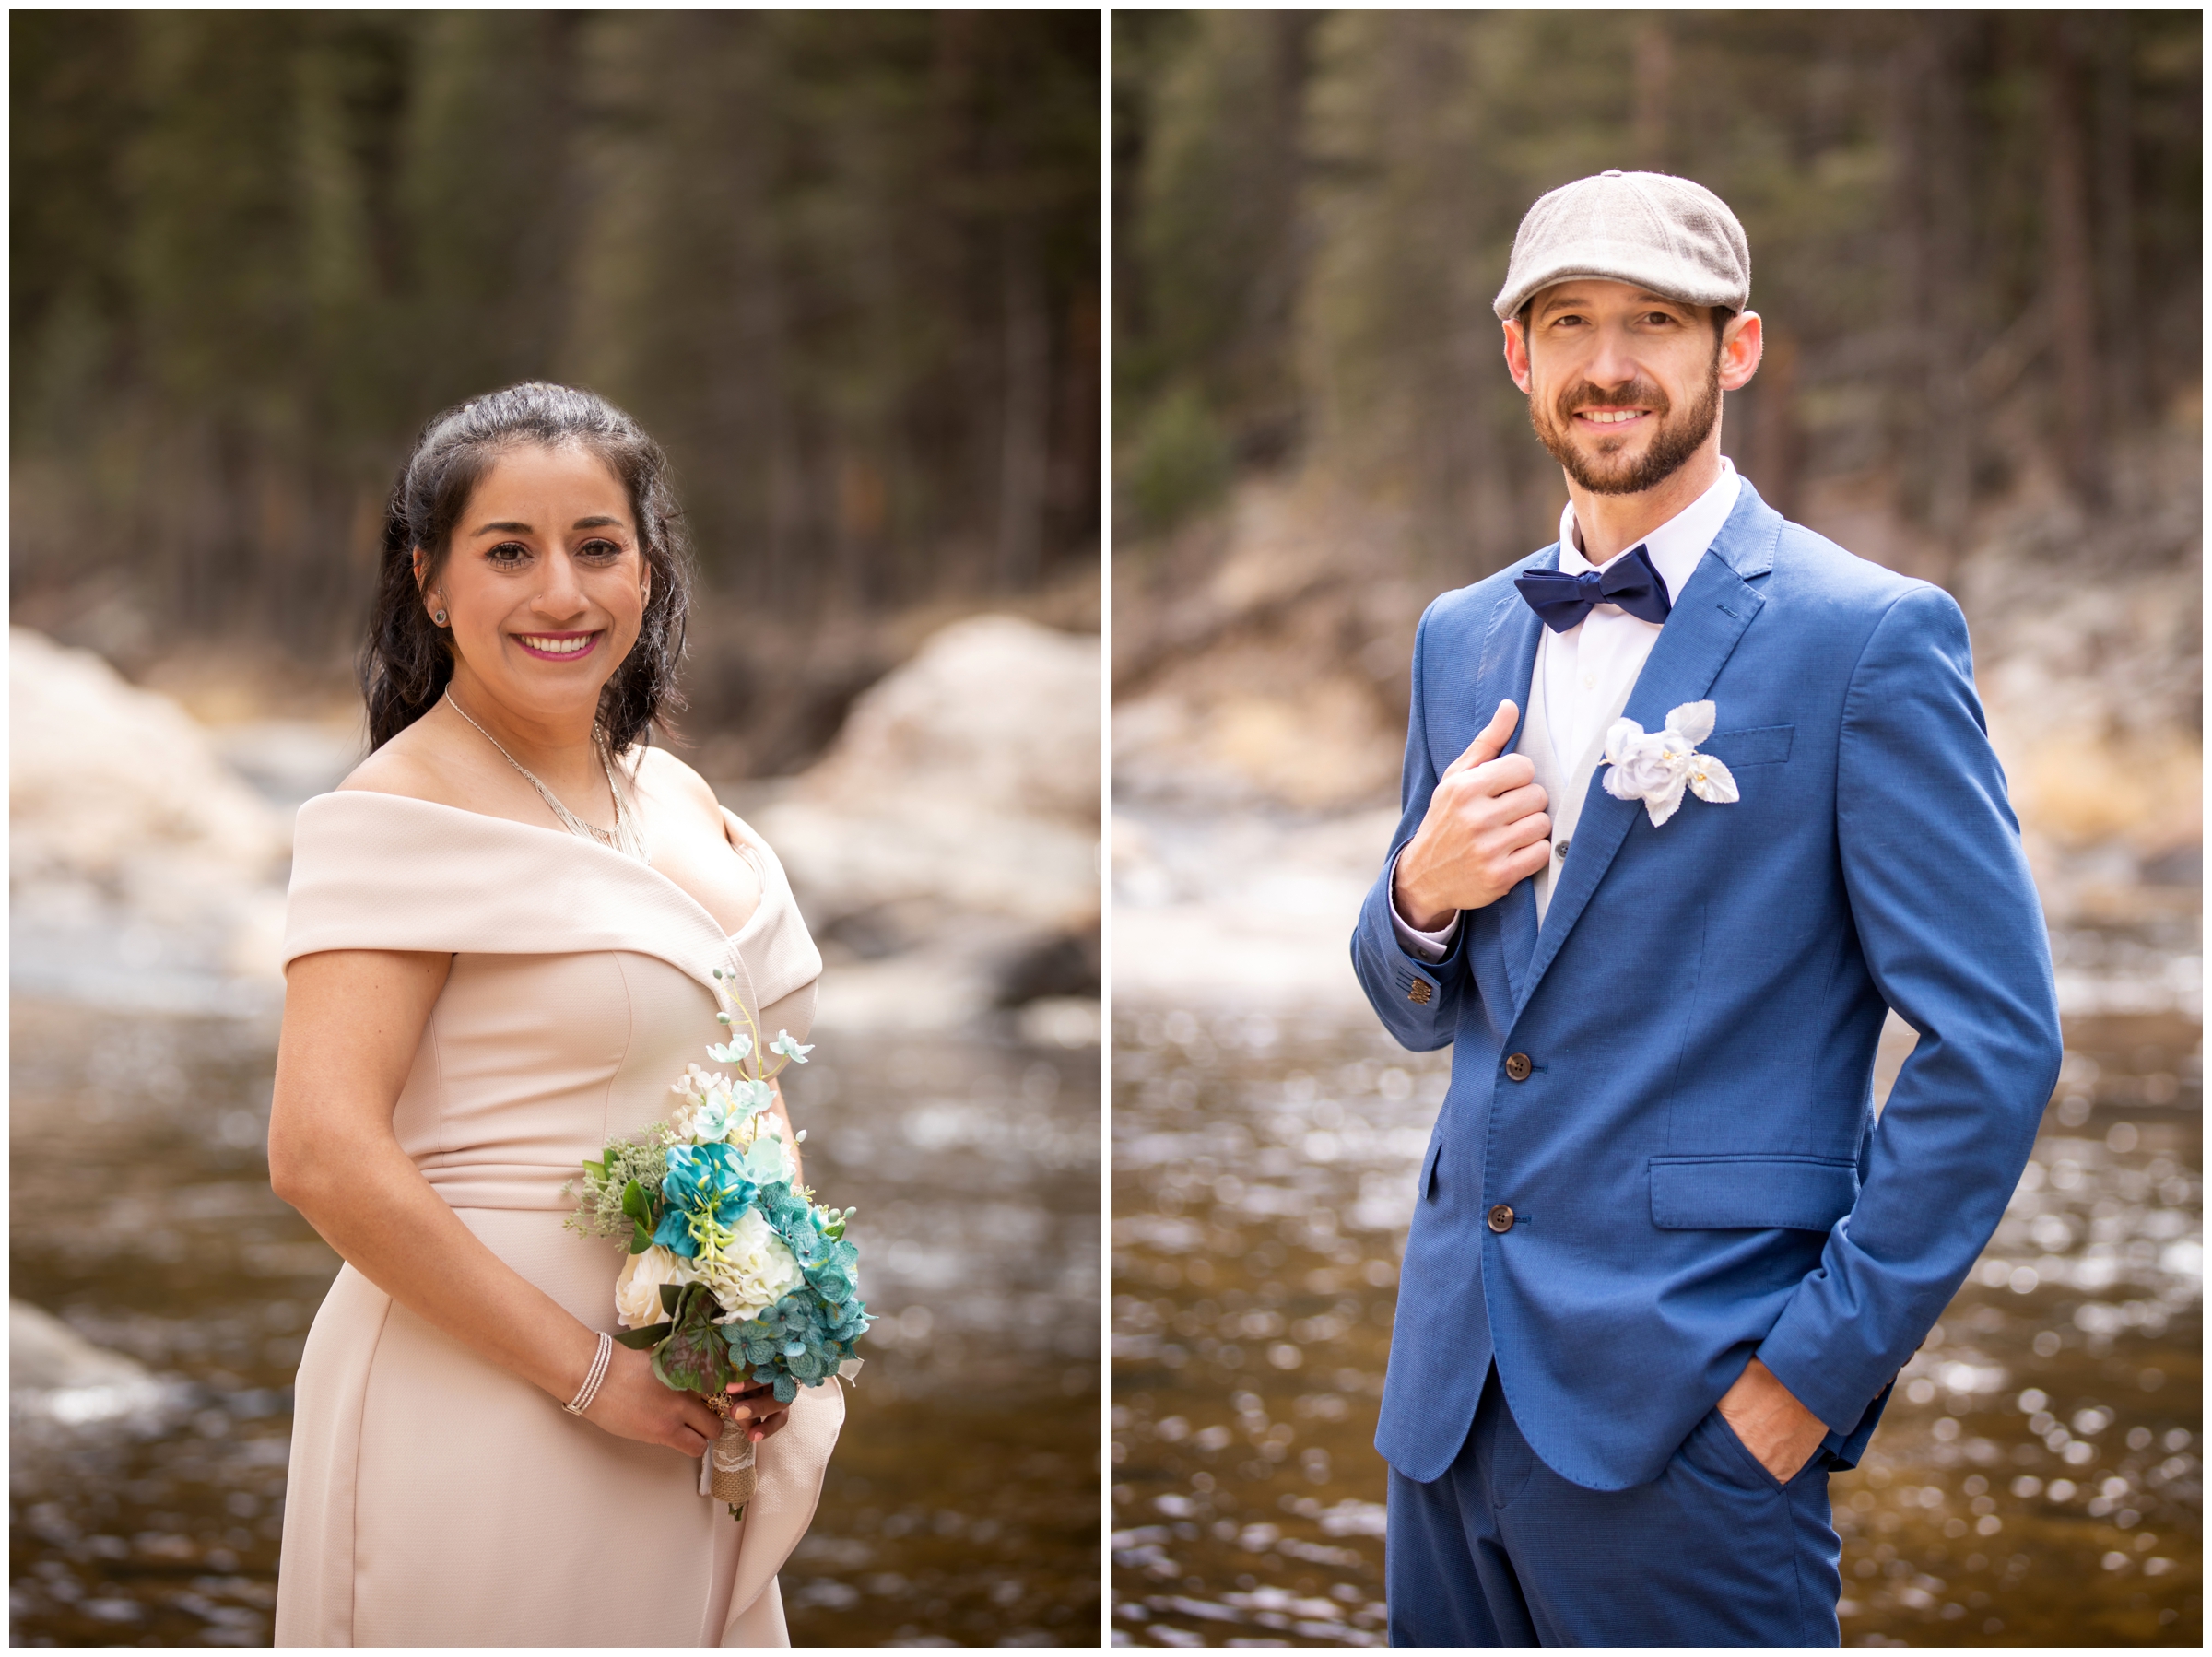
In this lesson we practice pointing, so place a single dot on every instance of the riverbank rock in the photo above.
(99, 772)
(1261, 659)
(55, 1375)
(141, 867)
(946, 848)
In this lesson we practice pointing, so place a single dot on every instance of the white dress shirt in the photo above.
(1585, 669)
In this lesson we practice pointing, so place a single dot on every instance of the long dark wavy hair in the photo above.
(409, 659)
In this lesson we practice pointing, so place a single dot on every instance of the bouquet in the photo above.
(734, 1272)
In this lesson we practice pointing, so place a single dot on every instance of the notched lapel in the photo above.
(1508, 674)
(1701, 633)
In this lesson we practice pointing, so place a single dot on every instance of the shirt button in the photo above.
(1518, 1067)
(1561, 849)
(1589, 681)
(1501, 1219)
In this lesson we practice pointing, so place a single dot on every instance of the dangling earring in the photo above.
(437, 616)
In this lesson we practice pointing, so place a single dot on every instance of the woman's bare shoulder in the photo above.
(669, 779)
(411, 765)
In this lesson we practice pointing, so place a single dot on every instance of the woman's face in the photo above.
(545, 584)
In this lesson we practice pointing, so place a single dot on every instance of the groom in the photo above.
(1692, 798)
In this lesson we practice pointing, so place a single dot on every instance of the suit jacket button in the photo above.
(1501, 1219)
(1420, 993)
(1518, 1067)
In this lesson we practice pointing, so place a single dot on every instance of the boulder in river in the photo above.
(142, 869)
(946, 848)
(101, 773)
(56, 1375)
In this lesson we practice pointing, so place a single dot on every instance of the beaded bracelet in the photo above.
(590, 1389)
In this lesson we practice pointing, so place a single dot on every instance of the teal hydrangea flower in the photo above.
(799, 1342)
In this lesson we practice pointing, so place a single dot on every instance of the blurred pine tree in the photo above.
(1975, 238)
(844, 265)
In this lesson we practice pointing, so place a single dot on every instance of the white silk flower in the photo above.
(1657, 765)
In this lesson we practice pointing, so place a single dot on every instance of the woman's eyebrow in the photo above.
(511, 528)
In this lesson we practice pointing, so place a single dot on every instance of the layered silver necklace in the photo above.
(624, 837)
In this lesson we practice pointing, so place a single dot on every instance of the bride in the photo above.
(508, 930)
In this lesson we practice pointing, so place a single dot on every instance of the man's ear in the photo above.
(1516, 352)
(1743, 343)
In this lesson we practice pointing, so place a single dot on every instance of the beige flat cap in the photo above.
(1663, 234)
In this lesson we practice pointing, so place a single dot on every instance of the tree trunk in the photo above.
(1655, 88)
(1024, 407)
(2066, 257)
(1946, 161)
(2116, 237)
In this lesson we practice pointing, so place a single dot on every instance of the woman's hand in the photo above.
(632, 1404)
(757, 1405)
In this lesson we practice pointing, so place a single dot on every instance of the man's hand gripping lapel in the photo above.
(1485, 832)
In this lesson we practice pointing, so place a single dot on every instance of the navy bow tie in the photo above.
(1562, 600)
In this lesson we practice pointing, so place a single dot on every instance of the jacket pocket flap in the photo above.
(1762, 744)
(1710, 1193)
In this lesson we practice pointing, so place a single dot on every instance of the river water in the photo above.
(2037, 1479)
(961, 1507)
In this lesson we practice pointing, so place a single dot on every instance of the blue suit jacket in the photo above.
(1693, 1158)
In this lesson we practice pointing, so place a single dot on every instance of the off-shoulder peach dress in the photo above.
(435, 1499)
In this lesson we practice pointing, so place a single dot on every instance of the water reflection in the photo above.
(2036, 1481)
(962, 1504)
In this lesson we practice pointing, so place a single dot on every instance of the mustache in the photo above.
(1643, 392)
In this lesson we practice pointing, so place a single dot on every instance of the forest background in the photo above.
(845, 266)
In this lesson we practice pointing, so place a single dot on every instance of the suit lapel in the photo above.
(1709, 616)
(1508, 674)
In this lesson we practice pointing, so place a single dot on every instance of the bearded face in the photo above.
(1651, 451)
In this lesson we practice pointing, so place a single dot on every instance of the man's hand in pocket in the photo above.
(1772, 1425)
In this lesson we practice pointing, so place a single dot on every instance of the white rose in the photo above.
(1658, 767)
(1644, 765)
(638, 1289)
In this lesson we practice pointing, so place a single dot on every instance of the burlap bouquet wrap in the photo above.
(734, 1476)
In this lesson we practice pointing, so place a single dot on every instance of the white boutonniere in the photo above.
(1655, 767)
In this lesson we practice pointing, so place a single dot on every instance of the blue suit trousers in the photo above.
(1501, 1551)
